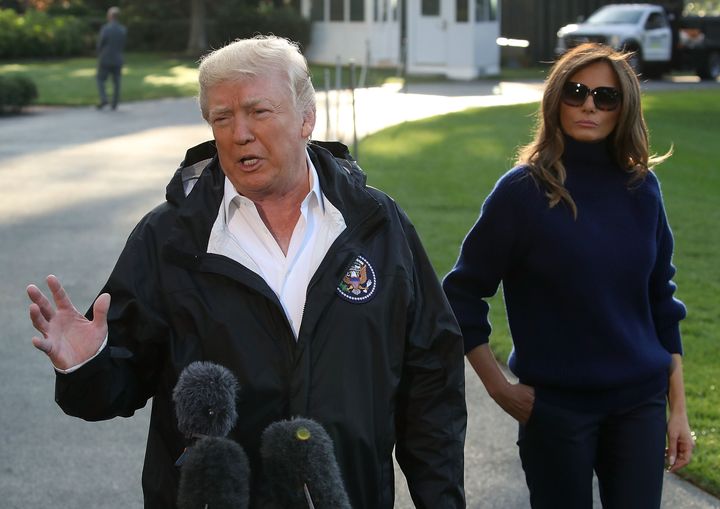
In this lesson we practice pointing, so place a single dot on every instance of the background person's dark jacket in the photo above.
(110, 44)
(380, 374)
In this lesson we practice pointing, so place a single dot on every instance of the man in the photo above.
(110, 45)
(273, 258)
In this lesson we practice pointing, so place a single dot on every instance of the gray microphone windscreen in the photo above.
(216, 475)
(299, 453)
(204, 399)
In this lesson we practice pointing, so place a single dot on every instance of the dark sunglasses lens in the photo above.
(606, 98)
(574, 94)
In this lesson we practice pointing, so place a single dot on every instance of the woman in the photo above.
(577, 234)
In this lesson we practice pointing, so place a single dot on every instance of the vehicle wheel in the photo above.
(711, 69)
(653, 71)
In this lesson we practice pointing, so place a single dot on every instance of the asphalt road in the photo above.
(74, 183)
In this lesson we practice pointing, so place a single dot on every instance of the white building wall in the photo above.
(487, 52)
(332, 39)
(436, 45)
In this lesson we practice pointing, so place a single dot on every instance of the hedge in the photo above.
(231, 23)
(16, 92)
(36, 34)
(39, 35)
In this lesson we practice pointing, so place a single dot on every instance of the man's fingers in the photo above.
(58, 292)
(42, 302)
(42, 344)
(38, 320)
(100, 308)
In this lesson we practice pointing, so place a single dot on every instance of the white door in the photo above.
(657, 39)
(431, 32)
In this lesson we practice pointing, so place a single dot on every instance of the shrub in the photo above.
(238, 21)
(36, 34)
(228, 23)
(16, 92)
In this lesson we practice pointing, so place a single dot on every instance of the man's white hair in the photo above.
(259, 56)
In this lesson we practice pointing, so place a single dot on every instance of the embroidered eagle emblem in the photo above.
(359, 282)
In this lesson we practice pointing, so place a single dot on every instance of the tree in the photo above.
(197, 41)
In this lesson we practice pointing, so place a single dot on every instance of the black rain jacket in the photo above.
(382, 373)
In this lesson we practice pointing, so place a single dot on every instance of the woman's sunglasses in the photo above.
(605, 98)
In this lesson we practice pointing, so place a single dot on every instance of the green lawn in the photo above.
(71, 82)
(441, 169)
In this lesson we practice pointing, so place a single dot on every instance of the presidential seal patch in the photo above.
(359, 283)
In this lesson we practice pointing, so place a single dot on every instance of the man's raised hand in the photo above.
(66, 336)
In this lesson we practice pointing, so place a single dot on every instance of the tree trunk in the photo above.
(197, 41)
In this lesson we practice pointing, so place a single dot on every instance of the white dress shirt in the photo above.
(239, 233)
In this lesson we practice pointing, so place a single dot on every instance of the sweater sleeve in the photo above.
(667, 311)
(486, 255)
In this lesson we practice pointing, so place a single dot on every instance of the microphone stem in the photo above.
(308, 497)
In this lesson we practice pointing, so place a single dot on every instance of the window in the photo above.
(337, 10)
(655, 20)
(430, 7)
(461, 11)
(485, 10)
(357, 10)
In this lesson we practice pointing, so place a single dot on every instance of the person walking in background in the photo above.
(272, 257)
(110, 46)
(578, 236)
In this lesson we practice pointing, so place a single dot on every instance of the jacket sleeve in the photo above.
(486, 255)
(431, 415)
(123, 376)
(101, 40)
(667, 311)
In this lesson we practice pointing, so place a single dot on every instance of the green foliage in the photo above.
(236, 20)
(16, 92)
(231, 21)
(36, 34)
(157, 34)
(440, 170)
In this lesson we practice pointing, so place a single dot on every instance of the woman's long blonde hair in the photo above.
(629, 139)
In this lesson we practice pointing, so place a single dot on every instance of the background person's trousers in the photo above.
(560, 449)
(103, 71)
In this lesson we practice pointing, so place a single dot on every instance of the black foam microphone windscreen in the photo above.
(300, 466)
(204, 399)
(214, 475)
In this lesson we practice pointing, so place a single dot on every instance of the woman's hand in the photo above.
(516, 399)
(680, 439)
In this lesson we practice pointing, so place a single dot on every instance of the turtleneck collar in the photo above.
(579, 153)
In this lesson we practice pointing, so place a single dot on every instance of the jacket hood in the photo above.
(200, 156)
(185, 177)
(341, 180)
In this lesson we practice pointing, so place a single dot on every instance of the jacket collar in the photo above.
(341, 180)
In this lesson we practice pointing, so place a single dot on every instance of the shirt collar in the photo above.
(232, 199)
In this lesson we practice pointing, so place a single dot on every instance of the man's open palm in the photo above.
(66, 336)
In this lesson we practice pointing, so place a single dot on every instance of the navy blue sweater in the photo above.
(589, 300)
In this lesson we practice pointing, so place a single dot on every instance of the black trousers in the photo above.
(560, 448)
(103, 71)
